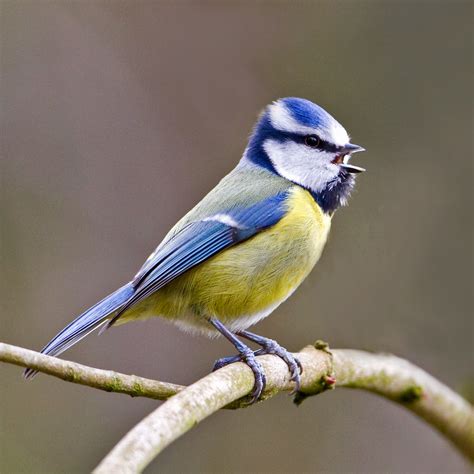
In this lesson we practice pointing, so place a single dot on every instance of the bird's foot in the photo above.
(247, 356)
(269, 346)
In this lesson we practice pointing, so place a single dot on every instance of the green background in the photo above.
(117, 117)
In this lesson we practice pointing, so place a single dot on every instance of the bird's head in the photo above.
(301, 142)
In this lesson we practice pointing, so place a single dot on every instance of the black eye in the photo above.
(312, 140)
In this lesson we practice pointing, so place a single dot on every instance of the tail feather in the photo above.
(84, 324)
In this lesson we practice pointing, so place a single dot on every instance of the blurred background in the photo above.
(117, 117)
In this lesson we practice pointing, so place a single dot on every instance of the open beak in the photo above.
(346, 152)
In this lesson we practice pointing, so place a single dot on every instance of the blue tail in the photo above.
(85, 323)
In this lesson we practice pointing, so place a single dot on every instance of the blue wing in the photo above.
(199, 241)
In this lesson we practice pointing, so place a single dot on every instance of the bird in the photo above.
(247, 245)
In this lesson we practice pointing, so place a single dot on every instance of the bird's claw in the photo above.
(294, 365)
(268, 347)
(260, 380)
(248, 358)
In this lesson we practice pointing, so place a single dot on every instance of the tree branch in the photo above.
(107, 380)
(405, 383)
(386, 375)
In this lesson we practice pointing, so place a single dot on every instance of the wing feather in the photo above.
(199, 241)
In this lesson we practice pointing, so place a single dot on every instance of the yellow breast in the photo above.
(246, 282)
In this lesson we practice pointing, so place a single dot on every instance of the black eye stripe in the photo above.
(281, 136)
(322, 144)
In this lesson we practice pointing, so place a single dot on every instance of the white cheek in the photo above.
(296, 162)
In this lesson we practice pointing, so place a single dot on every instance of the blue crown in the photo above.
(307, 113)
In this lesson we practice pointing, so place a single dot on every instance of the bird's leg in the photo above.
(269, 346)
(246, 355)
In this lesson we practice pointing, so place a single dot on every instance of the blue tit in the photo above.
(246, 247)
